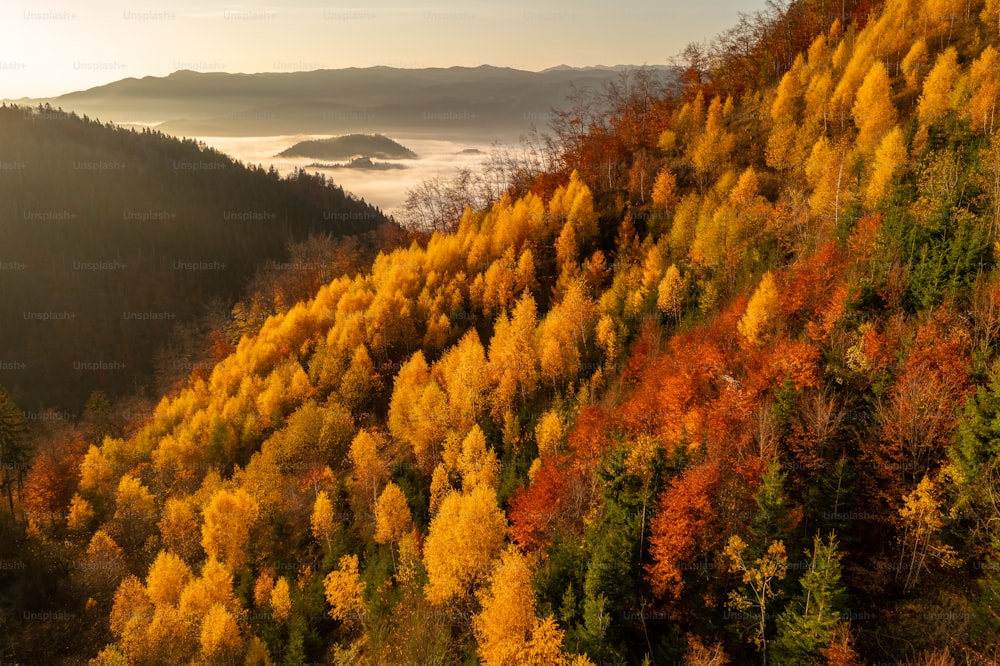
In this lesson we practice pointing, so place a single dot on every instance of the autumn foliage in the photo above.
(718, 385)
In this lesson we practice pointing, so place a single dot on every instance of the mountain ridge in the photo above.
(488, 101)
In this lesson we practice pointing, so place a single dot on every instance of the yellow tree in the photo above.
(499, 283)
(560, 335)
(922, 522)
(220, 636)
(229, 520)
(166, 578)
(281, 600)
(991, 13)
(817, 96)
(392, 515)
(914, 64)
(213, 586)
(321, 520)
(503, 626)
(180, 529)
(477, 463)
(549, 432)
(130, 616)
(418, 410)
(574, 203)
(713, 147)
(890, 156)
(359, 380)
(567, 247)
(779, 153)
(825, 174)
(664, 190)
(873, 110)
(135, 512)
(440, 487)
(761, 313)
(369, 466)
(345, 590)
(786, 101)
(103, 562)
(96, 473)
(985, 77)
(462, 372)
(80, 513)
(464, 537)
(935, 99)
(670, 293)
(759, 578)
(609, 338)
(513, 364)
(262, 589)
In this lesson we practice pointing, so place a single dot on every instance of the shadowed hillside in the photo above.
(112, 238)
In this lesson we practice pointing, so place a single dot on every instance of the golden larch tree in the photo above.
(440, 487)
(392, 515)
(369, 466)
(670, 293)
(477, 463)
(714, 146)
(549, 432)
(664, 190)
(985, 77)
(890, 156)
(464, 537)
(786, 100)
(229, 520)
(220, 636)
(180, 529)
(503, 626)
(321, 519)
(915, 63)
(281, 600)
(166, 578)
(761, 313)
(935, 99)
(873, 110)
(345, 590)
(462, 373)
(513, 364)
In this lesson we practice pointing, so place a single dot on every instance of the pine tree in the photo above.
(809, 623)
(13, 447)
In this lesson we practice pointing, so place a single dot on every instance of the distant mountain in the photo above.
(484, 102)
(112, 238)
(351, 146)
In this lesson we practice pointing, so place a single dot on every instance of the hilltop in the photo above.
(350, 146)
(483, 102)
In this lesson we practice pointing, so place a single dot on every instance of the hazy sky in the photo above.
(48, 48)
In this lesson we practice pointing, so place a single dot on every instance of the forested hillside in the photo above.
(113, 240)
(719, 385)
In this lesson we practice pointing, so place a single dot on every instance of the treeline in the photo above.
(113, 238)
